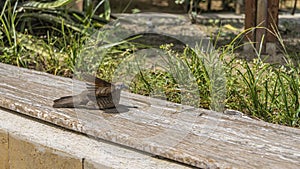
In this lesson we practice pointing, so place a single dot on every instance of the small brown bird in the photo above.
(99, 95)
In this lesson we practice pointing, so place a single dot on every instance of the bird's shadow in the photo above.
(120, 108)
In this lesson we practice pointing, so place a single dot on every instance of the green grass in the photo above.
(214, 79)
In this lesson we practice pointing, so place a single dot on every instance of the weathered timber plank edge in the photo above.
(225, 142)
(62, 144)
(45, 112)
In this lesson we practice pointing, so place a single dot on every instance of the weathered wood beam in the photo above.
(196, 137)
(29, 143)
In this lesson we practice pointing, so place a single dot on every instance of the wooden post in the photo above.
(208, 5)
(238, 6)
(262, 13)
(261, 21)
(250, 8)
(294, 8)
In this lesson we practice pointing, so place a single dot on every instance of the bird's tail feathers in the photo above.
(64, 102)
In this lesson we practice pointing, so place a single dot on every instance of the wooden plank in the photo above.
(196, 137)
(59, 148)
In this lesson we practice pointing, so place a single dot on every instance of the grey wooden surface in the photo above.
(34, 145)
(196, 137)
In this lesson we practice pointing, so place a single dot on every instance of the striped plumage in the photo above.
(99, 95)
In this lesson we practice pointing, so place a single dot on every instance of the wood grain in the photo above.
(196, 137)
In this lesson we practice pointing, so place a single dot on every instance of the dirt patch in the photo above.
(158, 29)
(211, 27)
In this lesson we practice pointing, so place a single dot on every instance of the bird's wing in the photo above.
(98, 86)
(94, 81)
(100, 91)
